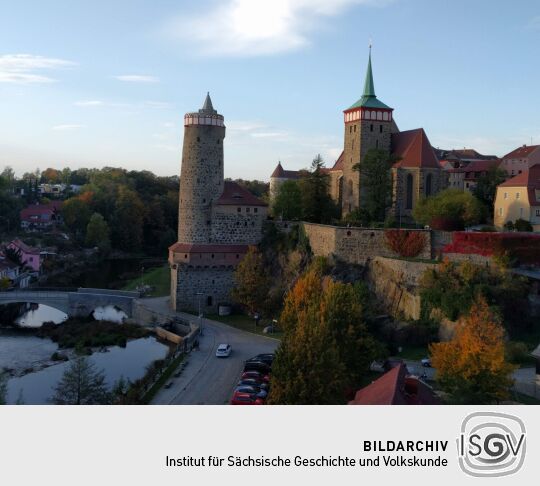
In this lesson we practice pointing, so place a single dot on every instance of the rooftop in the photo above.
(236, 195)
(414, 150)
(521, 152)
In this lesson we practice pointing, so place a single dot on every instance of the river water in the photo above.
(38, 387)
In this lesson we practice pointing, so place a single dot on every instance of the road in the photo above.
(207, 380)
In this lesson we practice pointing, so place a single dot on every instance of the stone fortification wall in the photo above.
(354, 245)
(231, 226)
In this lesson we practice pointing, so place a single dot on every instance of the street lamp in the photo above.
(199, 295)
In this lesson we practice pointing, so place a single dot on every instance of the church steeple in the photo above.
(369, 86)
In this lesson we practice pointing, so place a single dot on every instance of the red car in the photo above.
(240, 398)
(257, 375)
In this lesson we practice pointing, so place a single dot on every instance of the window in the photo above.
(520, 212)
(517, 195)
(371, 127)
(355, 129)
(506, 195)
(185, 256)
(350, 129)
(248, 210)
(409, 192)
(209, 301)
(538, 212)
(255, 210)
(380, 128)
(238, 210)
(213, 255)
(500, 211)
(198, 139)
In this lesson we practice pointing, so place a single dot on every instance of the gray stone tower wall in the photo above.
(201, 180)
(360, 136)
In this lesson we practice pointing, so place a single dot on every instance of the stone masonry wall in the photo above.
(230, 226)
(354, 245)
(214, 283)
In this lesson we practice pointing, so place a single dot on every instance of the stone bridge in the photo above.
(79, 303)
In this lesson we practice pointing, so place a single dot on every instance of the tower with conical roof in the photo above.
(368, 125)
(202, 177)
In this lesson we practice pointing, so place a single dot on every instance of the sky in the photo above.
(89, 84)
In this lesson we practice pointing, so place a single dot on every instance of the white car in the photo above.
(223, 351)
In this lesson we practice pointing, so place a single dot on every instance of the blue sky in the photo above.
(88, 84)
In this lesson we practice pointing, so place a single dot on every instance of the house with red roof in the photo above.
(475, 170)
(396, 387)
(519, 198)
(41, 216)
(521, 159)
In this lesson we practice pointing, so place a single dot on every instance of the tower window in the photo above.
(350, 129)
(371, 127)
(380, 128)
(217, 141)
(355, 129)
(208, 223)
(198, 139)
(209, 301)
(213, 255)
(204, 200)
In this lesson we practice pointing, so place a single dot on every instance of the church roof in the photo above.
(236, 195)
(414, 150)
(369, 99)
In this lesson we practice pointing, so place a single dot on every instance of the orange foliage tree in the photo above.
(405, 243)
(472, 367)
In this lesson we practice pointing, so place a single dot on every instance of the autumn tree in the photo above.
(81, 384)
(76, 213)
(326, 348)
(251, 282)
(98, 233)
(471, 368)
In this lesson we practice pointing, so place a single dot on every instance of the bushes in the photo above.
(405, 243)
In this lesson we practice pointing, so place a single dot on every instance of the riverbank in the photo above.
(159, 279)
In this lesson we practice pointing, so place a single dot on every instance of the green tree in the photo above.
(4, 283)
(287, 204)
(251, 282)
(459, 208)
(317, 205)
(486, 186)
(522, 225)
(377, 181)
(81, 384)
(98, 233)
(76, 213)
(128, 220)
(472, 368)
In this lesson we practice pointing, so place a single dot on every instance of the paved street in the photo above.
(207, 380)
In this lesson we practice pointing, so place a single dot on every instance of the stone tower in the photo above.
(368, 125)
(218, 220)
(202, 176)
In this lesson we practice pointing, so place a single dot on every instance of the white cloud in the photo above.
(89, 103)
(24, 68)
(137, 78)
(67, 127)
(263, 27)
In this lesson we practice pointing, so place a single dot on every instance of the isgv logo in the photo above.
(491, 444)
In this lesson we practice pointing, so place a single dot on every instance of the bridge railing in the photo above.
(117, 293)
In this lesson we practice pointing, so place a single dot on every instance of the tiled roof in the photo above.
(201, 248)
(521, 152)
(414, 150)
(236, 195)
(41, 209)
(281, 173)
(395, 387)
(24, 247)
(482, 165)
(529, 179)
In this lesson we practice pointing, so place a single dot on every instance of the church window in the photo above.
(429, 178)
(371, 127)
(409, 192)
(350, 188)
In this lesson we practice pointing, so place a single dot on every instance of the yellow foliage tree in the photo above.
(472, 367)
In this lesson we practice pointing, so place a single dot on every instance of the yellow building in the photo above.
(519, 198)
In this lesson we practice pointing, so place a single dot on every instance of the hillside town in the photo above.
(378, 276)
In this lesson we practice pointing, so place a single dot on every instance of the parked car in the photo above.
(223, 351)
(257, 366)
(240, 398)
(426, 362)
(257, 375)
(253, 390)
(267, 358)
(253, 382)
